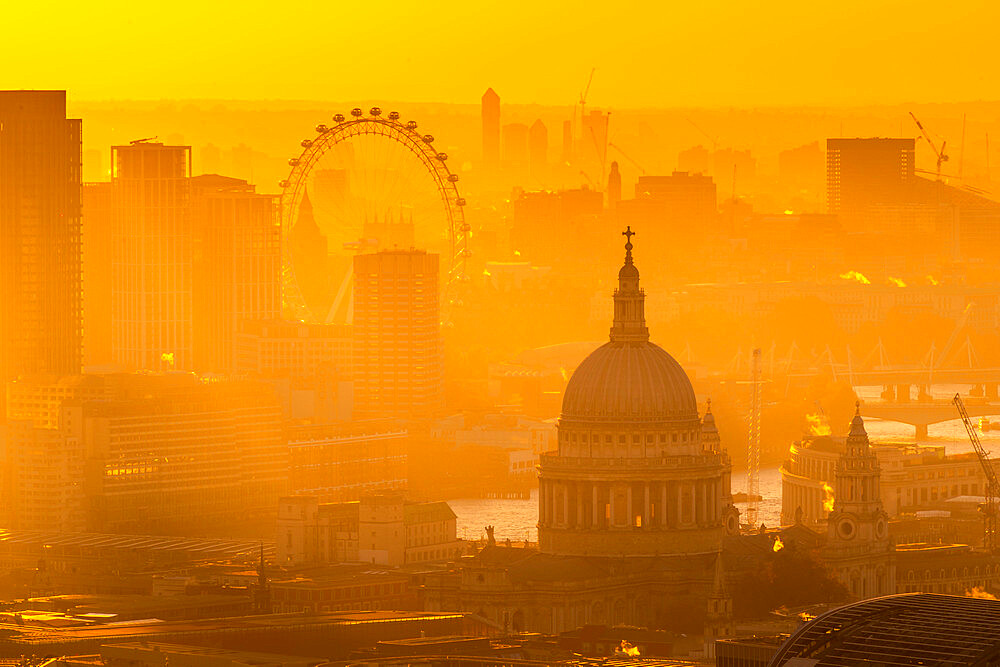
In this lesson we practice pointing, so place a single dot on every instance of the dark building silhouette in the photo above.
(567, 141)
(538, 148)
(491, 128)
(40, 175)
(515, 146)
(864, 172)
(569, 219)
(398, 351)
(236, 263)
(614, 186)
(308, 249)
(678, 211)
(98, 237)
(152, 309)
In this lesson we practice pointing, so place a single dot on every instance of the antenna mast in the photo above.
(753, 447)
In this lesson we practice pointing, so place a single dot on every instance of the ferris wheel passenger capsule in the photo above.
(411, 125)
(460, 201)
(338, 117)
(393, 115)
(293, 162)
(453, 178)
(356, 112)
(465, 227)
(321, 128)
(428, 138)
(375, 111)
(306, 143)
(282, 184)
(442, 156)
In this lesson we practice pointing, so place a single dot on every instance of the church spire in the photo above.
(858, 424)
(630, 316)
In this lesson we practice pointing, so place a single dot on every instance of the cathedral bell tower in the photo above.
(858, 546)
(629, 323)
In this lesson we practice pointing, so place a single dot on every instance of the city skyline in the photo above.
(290, 382)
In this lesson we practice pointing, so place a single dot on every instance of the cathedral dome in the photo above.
(629, 378)
(628, 381)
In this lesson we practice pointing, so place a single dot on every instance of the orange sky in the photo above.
(647, 54)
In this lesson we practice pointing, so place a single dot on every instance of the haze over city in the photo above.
(548, 334)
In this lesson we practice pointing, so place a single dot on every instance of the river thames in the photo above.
(516, 519)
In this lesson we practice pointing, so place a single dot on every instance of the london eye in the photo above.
(368, 182)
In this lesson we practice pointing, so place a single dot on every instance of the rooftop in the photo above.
(907, 629)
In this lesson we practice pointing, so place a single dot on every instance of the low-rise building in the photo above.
(954, 569)
(343, 462)
(379, 529)
(142, 453)
(914, 478)
(156, 654)
(345, 591)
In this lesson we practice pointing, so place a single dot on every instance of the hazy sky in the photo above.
(646, 54)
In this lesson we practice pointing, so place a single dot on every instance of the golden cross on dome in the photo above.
(628, 234)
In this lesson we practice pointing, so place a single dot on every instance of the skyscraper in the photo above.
(491, 128)
(97, 237)
(398, 353)
(40, 167)
(614, 186)
(863, 172)
(237, 266)
(515, 146)
(538, 147)
(152, 256)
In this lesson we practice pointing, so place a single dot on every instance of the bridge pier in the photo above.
(921, 434)
(924, 394)
(888, 393)
(902, 393)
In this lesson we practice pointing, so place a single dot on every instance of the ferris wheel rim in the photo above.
(391, 128)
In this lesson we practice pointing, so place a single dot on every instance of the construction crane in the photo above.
(753, 443)
(583, 96)
(992, 490)
(714, 140)
(939, 152)
(628, 157)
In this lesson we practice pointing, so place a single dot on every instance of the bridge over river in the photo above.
(922, 413)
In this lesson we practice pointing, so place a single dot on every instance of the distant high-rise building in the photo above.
(538, 147)
(98, 224)
(308, 249)
(614, 186)
(567, 140)
(865, 172)
(675, 211)
(237, 265)
(398, 352)
(40, 175)
(694, 160)
(593, 137)
(491, 128)
(152, 268)
(515, 146)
